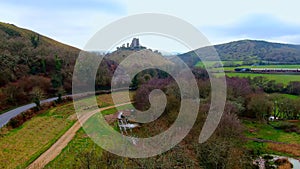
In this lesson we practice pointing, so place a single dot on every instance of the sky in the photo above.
(74, 22)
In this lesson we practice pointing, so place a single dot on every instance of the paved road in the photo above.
(5, 117)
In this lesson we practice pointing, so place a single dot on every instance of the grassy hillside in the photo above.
(32, 62)
(34, 67)
(249, 50)
(24, 52)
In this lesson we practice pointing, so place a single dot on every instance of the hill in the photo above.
(32, 63)
(24, 52)
(34, 66)
(249, 50)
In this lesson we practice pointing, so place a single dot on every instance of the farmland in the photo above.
(279, 78)
(260, 66)
(231, 65)
(21, 146)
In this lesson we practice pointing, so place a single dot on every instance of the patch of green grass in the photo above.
(274, 66)
(260, 66)
(21, 146)
(267, 132)
(49, 144)
(71, 154)
(279, 78)
(114, 110)
(290, 96)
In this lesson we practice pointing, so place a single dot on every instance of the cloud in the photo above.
(112, 6)
(69, 21)
(75, 21)
(256, 26)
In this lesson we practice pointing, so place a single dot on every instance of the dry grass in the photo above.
(19, 146)
(285, 166)
(107, 98)
(293, 149)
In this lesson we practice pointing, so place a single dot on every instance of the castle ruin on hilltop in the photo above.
(135, 45)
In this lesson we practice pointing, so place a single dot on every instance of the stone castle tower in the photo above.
(135, 43)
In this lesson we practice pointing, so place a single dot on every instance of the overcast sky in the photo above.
(74, 22)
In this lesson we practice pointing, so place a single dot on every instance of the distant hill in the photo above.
(250, 49)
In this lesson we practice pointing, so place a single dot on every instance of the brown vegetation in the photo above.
(293, 149)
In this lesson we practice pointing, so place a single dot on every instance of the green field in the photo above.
(80, 145)
(71, 155)
(262, 66)
(19, 147)
(265, 131)
(279, 78)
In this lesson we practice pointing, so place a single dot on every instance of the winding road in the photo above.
(5, 117)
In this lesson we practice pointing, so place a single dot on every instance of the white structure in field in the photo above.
(124, 126)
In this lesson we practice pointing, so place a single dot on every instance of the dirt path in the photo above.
(63, 141)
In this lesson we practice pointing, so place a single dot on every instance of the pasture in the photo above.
(279, 78)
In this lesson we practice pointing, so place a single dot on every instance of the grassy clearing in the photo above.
(80, 144)
(279, 78)
(267, 132)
